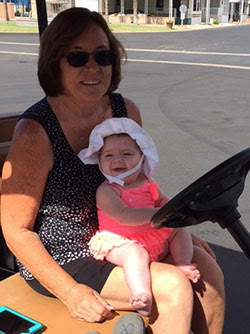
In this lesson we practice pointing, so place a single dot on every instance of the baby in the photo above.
(126, 202)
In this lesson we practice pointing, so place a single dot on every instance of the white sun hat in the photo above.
(119, 125)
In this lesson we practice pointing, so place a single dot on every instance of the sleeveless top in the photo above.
(67, 217)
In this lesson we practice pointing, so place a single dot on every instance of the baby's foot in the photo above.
(191, 271)
(142, 303)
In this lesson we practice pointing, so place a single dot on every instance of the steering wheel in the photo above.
(213, 197)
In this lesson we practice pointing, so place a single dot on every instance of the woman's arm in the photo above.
(23, 181)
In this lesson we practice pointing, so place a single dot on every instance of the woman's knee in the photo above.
(210, 289)
(170, 285)
(211, 273)
(209, 299)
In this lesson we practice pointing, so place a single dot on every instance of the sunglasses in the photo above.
(80, 58)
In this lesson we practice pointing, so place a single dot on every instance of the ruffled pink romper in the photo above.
(113, 234)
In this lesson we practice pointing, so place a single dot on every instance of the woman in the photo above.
(54, 213)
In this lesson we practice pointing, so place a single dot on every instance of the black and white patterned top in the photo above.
(67, 217)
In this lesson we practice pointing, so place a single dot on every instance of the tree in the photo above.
(6, 11)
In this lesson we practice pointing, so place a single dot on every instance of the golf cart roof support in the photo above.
(41, 15)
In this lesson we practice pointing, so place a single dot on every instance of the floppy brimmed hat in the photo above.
(120, 125)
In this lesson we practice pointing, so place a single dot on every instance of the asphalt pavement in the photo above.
(199, 116)
(192, 88)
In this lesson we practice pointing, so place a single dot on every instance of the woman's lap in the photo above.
(172, 293)
(160, 272)
(88, 271)
(167, 283)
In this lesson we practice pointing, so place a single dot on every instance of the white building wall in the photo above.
(90, 4)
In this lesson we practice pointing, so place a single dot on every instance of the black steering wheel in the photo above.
(213, 197)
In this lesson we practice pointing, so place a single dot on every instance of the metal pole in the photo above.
(208, 11)
(106, 8)
(122, 10)
(146, 12)
(241, 236)
(6, 11)
(170, 10)
(41, 15)
(241, 11)
(100, 7)
(135, 11)
(232, 11)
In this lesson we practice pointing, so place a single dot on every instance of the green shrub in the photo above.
(216, 21)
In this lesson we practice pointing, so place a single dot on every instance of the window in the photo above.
(159, 4)
(197, 5)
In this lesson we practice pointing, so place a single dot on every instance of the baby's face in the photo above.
(119, 154)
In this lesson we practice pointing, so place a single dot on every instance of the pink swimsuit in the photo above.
(113, 234)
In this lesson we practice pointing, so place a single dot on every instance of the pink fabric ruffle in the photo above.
(154, 241)
(103, 242)
(153, 189)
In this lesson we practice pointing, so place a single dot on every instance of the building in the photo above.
(197, 10)
(157, 11)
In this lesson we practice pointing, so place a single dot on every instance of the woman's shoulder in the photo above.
(125, 107)
(133, 110)
(37, 107)
(30, 143)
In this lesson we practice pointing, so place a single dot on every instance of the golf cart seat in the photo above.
(7, 260)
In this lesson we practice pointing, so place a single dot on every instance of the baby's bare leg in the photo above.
(134, 260)
(181, 249)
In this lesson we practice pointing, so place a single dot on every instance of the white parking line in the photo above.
(192, 52)
(158, 51)
(17, 43)
(237, 67)
(20, 53)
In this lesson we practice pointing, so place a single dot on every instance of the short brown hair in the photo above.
(66, 27)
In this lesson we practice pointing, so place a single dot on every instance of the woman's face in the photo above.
(90, 82)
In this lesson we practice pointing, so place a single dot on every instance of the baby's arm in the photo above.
(108, 200)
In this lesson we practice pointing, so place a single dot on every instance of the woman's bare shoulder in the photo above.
(30, 140)
(28, 129)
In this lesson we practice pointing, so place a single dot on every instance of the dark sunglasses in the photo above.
(80, 58)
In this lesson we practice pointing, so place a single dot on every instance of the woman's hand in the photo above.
(202, 244)
(86, 304)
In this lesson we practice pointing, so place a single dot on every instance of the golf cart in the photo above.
(16, 294)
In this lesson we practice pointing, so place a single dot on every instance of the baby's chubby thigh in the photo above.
(127, 253)
(165, 252)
